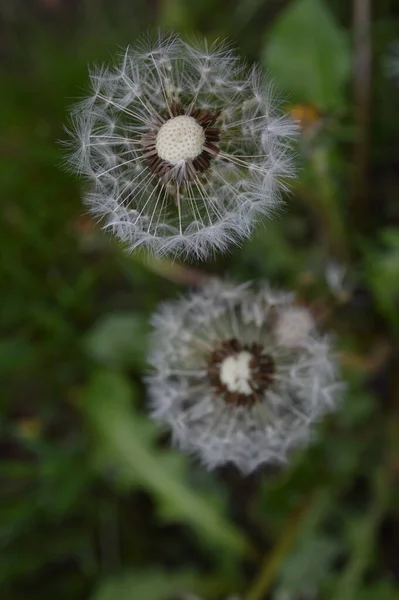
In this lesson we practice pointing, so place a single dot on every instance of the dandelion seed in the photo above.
(230, 380)
(184, 147)
(337, 279)
(293, 326)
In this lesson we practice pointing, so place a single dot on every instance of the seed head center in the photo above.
(179, 139)
(235, 373)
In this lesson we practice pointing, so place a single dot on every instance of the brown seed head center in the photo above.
(182, 138)
(240, 372)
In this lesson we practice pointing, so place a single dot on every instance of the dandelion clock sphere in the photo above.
(183, 147)
(239, 375)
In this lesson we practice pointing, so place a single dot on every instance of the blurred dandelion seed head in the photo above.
(183, 145)
(293, 326)
(239, 375)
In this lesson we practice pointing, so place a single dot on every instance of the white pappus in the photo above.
(183, 145)
(239, 375)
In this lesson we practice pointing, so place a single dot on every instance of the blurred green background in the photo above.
(94, 503)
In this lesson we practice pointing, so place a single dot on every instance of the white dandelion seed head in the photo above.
(184, 147)
(229, 380)
(293, 326)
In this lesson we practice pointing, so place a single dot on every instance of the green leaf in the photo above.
(16, 354)
(64, 479)
(314, 552)
(312, 562)
(118, 340)
(106, 401)
(308, 54)
(382, 268)
(153, 584)
(383, 590)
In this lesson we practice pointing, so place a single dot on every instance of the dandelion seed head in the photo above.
(184, 147)
(231, 382)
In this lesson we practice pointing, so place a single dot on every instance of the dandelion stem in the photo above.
(365, 532)
(172, 271)
(273, 560)
(323, 200)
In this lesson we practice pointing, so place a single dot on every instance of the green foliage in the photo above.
(153, 584)
(308, 54)
(315, 551)
(383, 275)
(106, 402)
(118, 340)
(383, 590)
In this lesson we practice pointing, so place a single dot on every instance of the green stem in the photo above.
(273, 560)
(325, 203)
(363, 543)
(169, 270)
